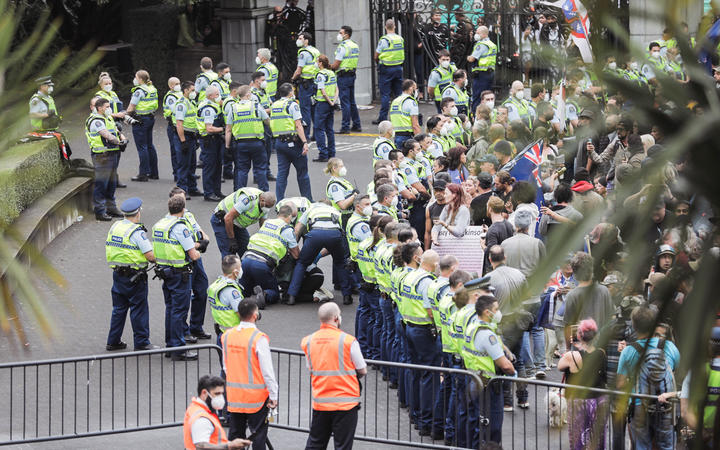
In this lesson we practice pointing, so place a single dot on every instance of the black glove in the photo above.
(185, 146)
(122, 145)
(234, 248)
(203, 245)
(355, 191)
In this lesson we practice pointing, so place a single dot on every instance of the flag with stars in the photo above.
(577, 17)
(526, 167)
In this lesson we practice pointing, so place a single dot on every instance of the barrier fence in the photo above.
(135, 391)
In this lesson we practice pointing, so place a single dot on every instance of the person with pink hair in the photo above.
(585, 365)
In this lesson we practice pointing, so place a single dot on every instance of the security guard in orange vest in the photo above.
(201, 424)
(251, 385)
(336, 365)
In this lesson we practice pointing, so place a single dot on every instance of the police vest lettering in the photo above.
(247, 124)
(169, 106)
(268, 240)
(394, 54)
(489, 60)
(281, 121)
(354, 220)
(365, 259)
(190, 121)
(37, 124)
(351, 56)
(168, 250)
(330, 85)
(309, 70)
(149, 103)
(401, 120)
(246, 389)
(271, 78)
(120, 251)
(713, 398)
(223, 315)
(245, 218)
(445, 79)
(198, 409)
(217, 122)
(96, 142)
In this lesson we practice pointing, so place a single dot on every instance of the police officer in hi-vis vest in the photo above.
(390, 56)
(205, 77)
(43, 112)
(142, 107)
(171, 97)
(224, 295)
(128, 250)
(211, 128)
(483, 61)
(326, 98)
(345, 66)
(262, 60)
(304, 76)
(235, 213)
(404, 113)
(186, 138)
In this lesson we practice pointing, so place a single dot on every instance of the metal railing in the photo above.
(97, 395)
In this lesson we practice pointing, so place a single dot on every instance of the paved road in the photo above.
(81, 310)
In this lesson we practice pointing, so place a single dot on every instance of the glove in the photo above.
(185, 146)
(123, 145)
(234, 248)
(130, 120)
(203, 245)
(355, 191)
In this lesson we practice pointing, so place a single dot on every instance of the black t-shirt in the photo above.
(435, 210)
(498, 232)
(478, 209)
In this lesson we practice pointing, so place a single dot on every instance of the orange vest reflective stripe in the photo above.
(246, 390)
(196, 410)
(335, 386)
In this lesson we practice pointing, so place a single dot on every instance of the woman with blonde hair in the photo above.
(116, 108)
(142, 107)
(340, 191)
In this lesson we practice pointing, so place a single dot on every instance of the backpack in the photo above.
(654, 375)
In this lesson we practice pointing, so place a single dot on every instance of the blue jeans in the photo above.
(212, 148)
(287, 156)
(537, 345)
(388, 344)
(176, 290)
(174, 150)
(133, 296)
(346, 90)
(423, 350)
(142, 133)
(105, 180)
(307, 109)
(317, 239)
(390, 80)
(250, 152)
(259, 273)
(483, 81)
(198, 304)
(324, 117)
(186, 162)
(649, 432)
(242, 237)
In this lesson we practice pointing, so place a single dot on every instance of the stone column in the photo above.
(645, 29)
(330, 15)
(243, 32)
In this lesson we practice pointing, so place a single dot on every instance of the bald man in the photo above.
(173, 94)
(482, 61)
(518, 107)
(335, 398)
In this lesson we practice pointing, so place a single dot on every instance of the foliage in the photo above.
(154, 33)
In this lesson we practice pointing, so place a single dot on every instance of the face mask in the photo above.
(343, 171)
(257, 60)
(444, 130)
(227, 77)
(497, 317)
(108, 113)
(557, 98)
(135, 82)
(612, 65)
(477, 38)
(490, 104)
(444, 64)
(93, 110)
(465, 82)
(394, 202)
(264, 209)
(339, 37)
(50, 89)
(454, 111)
(467, 126)
(520, 94)
(218, 100)
(192, 95)
(678, 59)
(633, 65)
(367, 211)
(417, 261)
(107, 88)
(546, 97)
(263, 85)
(300, 43)
(216, 403)
(177, 88)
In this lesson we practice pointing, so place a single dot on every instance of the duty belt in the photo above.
(253, 254)
(418, 325)
(287, 137)
(346, 72)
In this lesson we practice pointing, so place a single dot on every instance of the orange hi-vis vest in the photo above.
(246, 390)
(198, 409)
(335, 386)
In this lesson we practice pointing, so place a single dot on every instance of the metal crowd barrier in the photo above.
(97, 395)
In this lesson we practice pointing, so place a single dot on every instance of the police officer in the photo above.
(346, 62)
(518, 108)
(290, 141)
(404, 112)
(186, 135)
(440, 77)
(306, 69)
(387, 201)
(483, 354)
(222, 83)
(390, 56)
(171, 97)
(301, 204)
(128, 250)
(211, 127)
(245, 134)
(105, 143)
(175, 249)
(260, 97)
(235, 213)
(142, 107)
(340, 192)
(356, 231)
(269, 69)
(456, 91)
(116, 106)
(385, 142)
(266, 248)
(408, 193)
(224, 296)
(228, 114)
(321, 225)
(414, 174)
(205, 77)
(325, 99)
(43, 112)
(453, 132)
(483, 61)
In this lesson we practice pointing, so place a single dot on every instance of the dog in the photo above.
(556, 407)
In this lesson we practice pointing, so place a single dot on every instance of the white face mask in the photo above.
(50, 89)
(497, 317)
(136, 82)
(546, 97)
(477, 37)
(177, 88)
(227, 76)
(93, 110)
(339, 37)
(557, 97)
(218, 100)
(217, 402)
(467, 126)
(342, 171)
(192, 95)
(107, 88)
(263, 85)
(107, 112)
(490, 104)
(367, 211)
(465, 82)
(257, 60)
(454, 111)
(655, 54)
(300, 43)
(612, 65)
(444, 64)
(394, 202)
(445, 130)
(634, 65)
(520, 94)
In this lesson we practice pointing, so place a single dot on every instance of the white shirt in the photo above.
(202, 428)
(262, 350)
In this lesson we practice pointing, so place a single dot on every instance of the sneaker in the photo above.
(508, 408)
(540, 375)
(524, 405)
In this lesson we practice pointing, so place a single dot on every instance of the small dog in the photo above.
(557, 408)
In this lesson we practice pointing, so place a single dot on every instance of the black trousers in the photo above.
(256, 422)
(340, 424)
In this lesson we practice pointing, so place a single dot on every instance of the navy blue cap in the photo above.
(715, 334)
(479, 283)
(130, 206)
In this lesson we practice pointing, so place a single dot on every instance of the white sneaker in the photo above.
(508, 408)
(540, 375)
(524, 405)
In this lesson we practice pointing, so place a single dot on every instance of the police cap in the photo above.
(715, 334)
(131, 206)
(479, 283)
(45, 80)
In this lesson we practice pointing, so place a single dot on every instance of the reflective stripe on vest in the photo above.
(394, 54)
(246, 389)
(168, 251)
(489, 60)
(112, 97)
(353, 242)
(365, 259)
(474, 359)
(401, 121)
(413, 310)
(120, 251)
(320, 212)
(210, 76)
(271, 78)
(330, 85)
(224, 316)
(246, 122)
(168, 109)
(37, 124)
(309, 70)
(346, 185)
(713, 396)
(352, 54)
(262, 98)
(190, 119)
(201, 120)
(446, 307)
(462, 98)
(376, 144)
(281, 121)
(149, 103)
(460, 320)
(435, 292)
(96, 142)
(246, 218)
(269, 241)
(445, 79)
